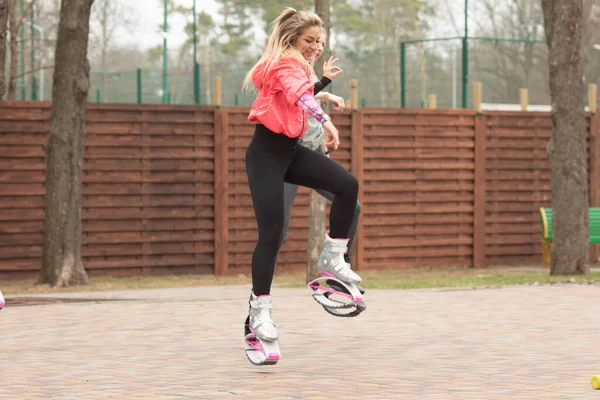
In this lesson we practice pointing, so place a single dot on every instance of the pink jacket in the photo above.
(279, 90)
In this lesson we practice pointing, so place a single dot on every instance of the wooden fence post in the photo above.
(479, 192)
(221, 191)
(524, 98)
(357, 158)
(432, 101)
(217, 91)
(592, 97)
(354, 94)
(477, 96)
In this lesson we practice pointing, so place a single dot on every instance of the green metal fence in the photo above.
(393, 77)
(502, 65)
(146, 85)
(403, 75)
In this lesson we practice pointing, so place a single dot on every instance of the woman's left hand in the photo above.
(337, 101)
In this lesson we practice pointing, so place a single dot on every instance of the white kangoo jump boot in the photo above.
(260, 333)
(332, 261)
(337, 290)
(260, 317)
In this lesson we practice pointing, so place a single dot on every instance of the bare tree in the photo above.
(507, 66)
(15, 26)
(61, 259)
(316, 208)
(3, 37)
(567, 147)
(107, 16)
(104, 16)
(590, 41)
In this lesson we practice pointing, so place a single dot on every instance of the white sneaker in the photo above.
(332, 261)
(260, 317)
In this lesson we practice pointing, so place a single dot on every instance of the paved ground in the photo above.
(512, 343)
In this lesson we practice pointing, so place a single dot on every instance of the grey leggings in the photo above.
(289, 194)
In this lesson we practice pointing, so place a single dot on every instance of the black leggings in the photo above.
(271, 160)
(289, 194)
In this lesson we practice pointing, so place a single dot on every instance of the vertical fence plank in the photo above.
(357, 157)
(479, 195)
(199, 246)
(145, 190)
(221, 191)
(594, 177)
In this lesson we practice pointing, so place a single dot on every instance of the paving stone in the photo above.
(527, 342)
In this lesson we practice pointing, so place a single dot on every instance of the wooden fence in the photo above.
(165, 188)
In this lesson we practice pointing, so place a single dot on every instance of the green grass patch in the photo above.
(414, 278)
(28, 286)
(465, 277)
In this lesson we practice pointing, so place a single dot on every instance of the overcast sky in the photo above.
(149, 16)
(144, 32)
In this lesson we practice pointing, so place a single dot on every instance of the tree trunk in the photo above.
(3, 37)
(61, 260)
(104, 28)
(14, 35)
(567, 151)
(323, 10)
(316, 233)
(316, 208)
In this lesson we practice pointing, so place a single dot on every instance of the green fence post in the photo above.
(33, 88)
(164, 72)
(465, 71)
(139, 86)
(196, 87)
(200, 85)
(32, 63)
(97, 95)
(402, 75)
(465, 57)
(196, 83)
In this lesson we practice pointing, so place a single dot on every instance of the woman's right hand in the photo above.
(330, 70)
(332, 135)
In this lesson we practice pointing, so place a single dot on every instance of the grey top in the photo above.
(315, 134)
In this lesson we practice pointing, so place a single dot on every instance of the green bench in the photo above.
(546, 217)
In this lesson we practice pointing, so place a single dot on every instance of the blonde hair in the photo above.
(323, 36)
(286, 29)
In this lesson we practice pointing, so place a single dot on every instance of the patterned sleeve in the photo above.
(322, 84)
(308, 103)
